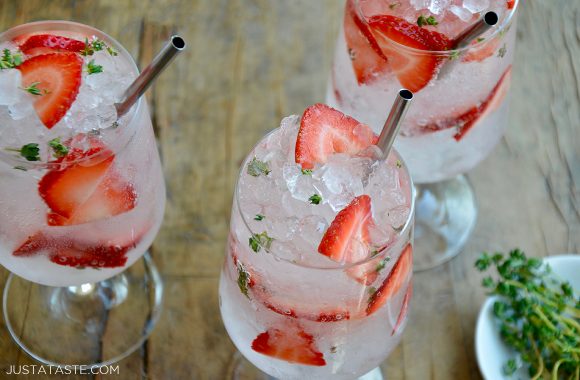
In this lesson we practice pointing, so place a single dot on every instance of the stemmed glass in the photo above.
(460, 110)
(292, 312)
(73, 222)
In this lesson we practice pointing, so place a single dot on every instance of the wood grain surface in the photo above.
(251, 62)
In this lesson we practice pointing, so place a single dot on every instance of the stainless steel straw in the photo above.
(393, 123)
(480, 27)
(175, 45)
(464, 39)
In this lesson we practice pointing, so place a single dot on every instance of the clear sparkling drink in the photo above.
(317, 276)
(82, 192)
(459, 111)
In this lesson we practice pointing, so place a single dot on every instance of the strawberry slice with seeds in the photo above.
(466, 120)
(393, 283)
(289, 343)
(368, 61)
(404, 308)
(58, 77)
(77, 253)
(413, 69)
(479, 54)
(325, 130)
(282, 305)
(86, 190)
(49, 43)
(346, 240)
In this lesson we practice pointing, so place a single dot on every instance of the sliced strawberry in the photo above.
(59, 78)
(282, 305)
(88, 190)
(290, 343)
(393, 283)
(479, 54)
(368, 61)
(346, 240)
(49, 43)
(324, 130)
(404, 308)
(511, 4)
(65, 190)
(467, 119)
(413, 69)
(77, 253)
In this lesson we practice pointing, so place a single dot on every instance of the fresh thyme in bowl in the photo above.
(539, 315)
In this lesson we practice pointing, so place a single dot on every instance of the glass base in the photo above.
(242, 369)
(92, 324)
(445, 216)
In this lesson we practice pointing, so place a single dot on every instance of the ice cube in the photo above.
(475, 6)
(438, 6)
(464, 15)
(279, 228)
(22, 108)
(420, 4)
(9, 87)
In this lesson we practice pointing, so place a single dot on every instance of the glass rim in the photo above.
(130, 118)
(507, 20)
(394, 245)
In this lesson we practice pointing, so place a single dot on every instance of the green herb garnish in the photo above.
(454, 55)
(58, 148)
(97, 45)
(243, 279)
(502, 51)
(382, 264)
(93, 68)
(34, 90)
(257, 241)
(315, 199)
(307, 171)
(257, 168)
(259, 217)
(539, 315)
(29, 151)
(10, 60)
(422, 20)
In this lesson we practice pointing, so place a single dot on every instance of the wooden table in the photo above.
(251, 62)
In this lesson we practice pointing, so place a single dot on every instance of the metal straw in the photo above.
(481, 26)
(175, 45)
(464, 39)
(394, 121)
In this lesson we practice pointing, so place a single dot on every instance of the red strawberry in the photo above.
(511, 4)
(290, 343)
(368, 61)
(59, 78)
(413, 69)
(393, 283)
(467, 119)
(88, 190)
(346, 240)
(480, 53)
(291, 308)
(78, 253)
(404, 308)
(324, 130)
(49, 43)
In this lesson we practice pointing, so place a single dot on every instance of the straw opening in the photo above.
(491, 18)
(406, 94)
(178, 42)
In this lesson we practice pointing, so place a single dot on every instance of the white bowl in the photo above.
(490, 350)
